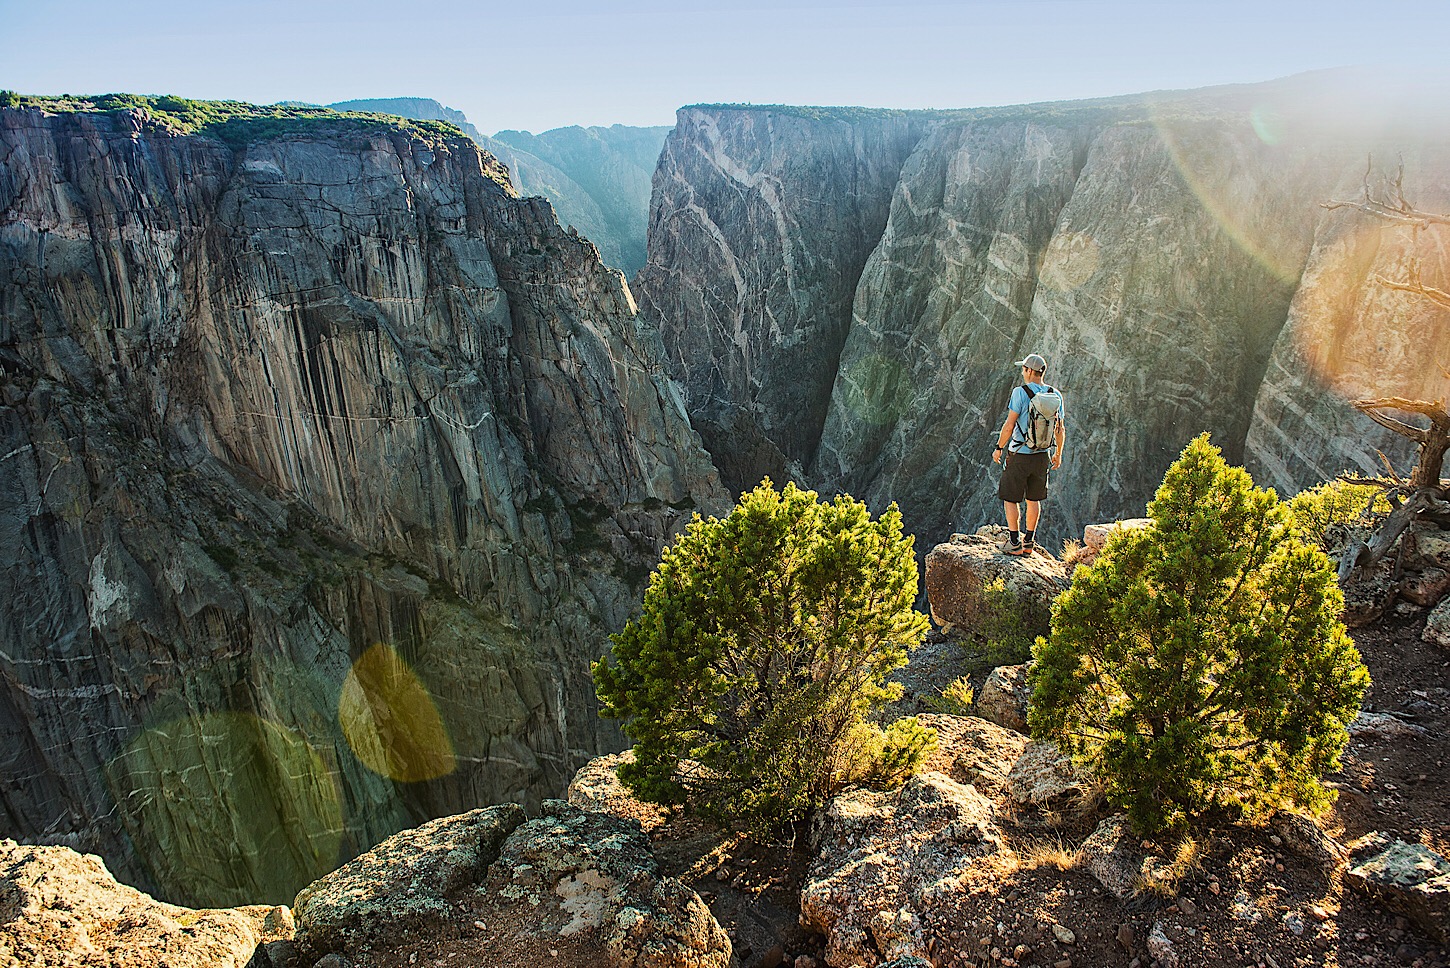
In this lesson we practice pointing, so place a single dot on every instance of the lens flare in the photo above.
(1361, 338)
(1268, 124)
(1222, 164)
(230, 808)
(391, 722)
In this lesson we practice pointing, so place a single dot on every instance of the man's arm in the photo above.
(1006, 435)
(1057, 451)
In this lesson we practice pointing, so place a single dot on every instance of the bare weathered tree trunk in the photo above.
(1433, 441)
(1423, 492)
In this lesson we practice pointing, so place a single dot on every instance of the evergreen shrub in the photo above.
(1200, 664)
(750, 680)
(1315, 510)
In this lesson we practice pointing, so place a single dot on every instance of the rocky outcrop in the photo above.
(886, 859)
(969, 581)
(760, 224)
(1437, 626)
(409, 882)
(972, 750)
(1005, 696)
(332, 464)
(597, 787)
(59, 908)
(588, 882)
(574, 885)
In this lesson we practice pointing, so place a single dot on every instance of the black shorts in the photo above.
(1025, 476)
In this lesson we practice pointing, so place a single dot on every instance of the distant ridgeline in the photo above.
(841, 291)
(331, 465)
(234, 122)
(598, 179)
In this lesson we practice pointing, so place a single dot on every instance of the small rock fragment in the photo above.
(1160, 949)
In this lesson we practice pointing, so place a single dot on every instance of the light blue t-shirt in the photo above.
(1020, 402)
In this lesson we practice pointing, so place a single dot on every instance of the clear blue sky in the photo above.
(542, 65)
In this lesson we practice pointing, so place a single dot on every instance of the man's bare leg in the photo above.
(1012, 511)
(1034, 513)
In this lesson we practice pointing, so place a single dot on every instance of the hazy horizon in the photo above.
(636, 62)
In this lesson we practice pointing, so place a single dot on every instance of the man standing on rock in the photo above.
(1031, 439)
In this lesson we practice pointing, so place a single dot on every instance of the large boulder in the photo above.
(586, 884)
(1005, 696)
(401, 884)
(61, 908)
(1114, 856)
(884, 860)
(1410, 879)
(1428, 548)
(597, 787)
(959, 571)
(1045, 787)
(973, 750)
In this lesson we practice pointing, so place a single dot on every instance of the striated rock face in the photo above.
(329, 465)
(1168, 254)
(760, 223)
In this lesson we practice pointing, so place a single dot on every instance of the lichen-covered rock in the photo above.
(402, 883)
(884, 859)
(589, 880)
(958, 571)
(597, 787)
(1429, 547)
(1044, 786)
(973, 750)
(1437, 626)
(1410, 879)
(1115, 857)
(59, 908)
(1307, 839)
(1005, 696)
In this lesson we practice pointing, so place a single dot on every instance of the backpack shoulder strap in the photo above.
(1030, 392)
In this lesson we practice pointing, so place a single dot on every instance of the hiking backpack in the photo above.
(1043, 412)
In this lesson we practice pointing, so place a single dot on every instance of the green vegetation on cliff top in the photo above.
(234, 122)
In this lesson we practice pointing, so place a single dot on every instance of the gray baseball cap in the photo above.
(1033, 362)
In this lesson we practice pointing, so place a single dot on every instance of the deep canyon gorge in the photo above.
(329, 462)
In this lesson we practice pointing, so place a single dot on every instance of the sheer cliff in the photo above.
(760, 223)
(1169, 254)
(328, 465)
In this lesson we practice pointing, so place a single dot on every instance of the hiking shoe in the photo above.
(1011, 547)
(1028, 547)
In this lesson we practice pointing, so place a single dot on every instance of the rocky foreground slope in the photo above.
(328, 465)
(841, 292)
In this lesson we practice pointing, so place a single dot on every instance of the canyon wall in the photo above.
(760, 224)
(328, 466)
(1170, 255)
